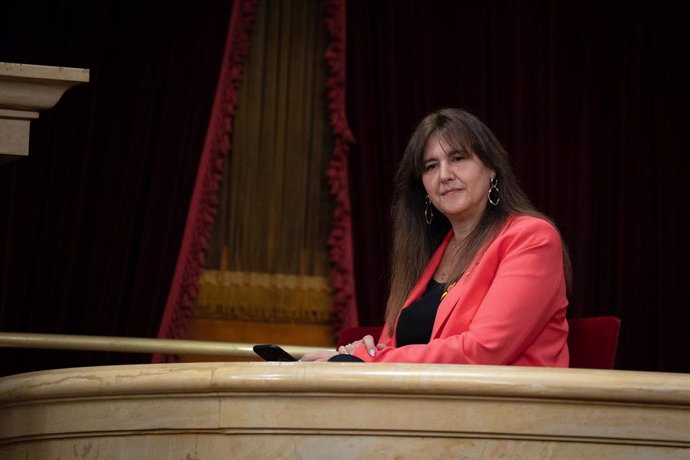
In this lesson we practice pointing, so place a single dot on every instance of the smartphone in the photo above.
(272, 352)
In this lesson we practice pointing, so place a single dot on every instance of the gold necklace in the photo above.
(448, 288)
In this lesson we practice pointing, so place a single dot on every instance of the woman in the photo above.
(478, 275)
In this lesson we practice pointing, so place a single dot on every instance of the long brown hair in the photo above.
(413, 240)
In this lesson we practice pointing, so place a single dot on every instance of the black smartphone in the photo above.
(272, 352)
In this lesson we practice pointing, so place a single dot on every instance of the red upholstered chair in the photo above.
(592, 342)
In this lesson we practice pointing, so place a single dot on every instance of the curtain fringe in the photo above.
(203, 205)
(264, 297)
(340, 239)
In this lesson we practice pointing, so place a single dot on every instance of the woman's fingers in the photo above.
(370, 345)
(325, 355)
(368, 342)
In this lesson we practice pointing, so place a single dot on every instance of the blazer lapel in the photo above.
(458, 292)
(447, 305)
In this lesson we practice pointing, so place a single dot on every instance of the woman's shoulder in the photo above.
(533, 226)
(521, 233)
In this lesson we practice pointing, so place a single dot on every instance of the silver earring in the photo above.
(428, 211)
(494, 197)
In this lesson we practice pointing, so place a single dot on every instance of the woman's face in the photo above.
(456, 181)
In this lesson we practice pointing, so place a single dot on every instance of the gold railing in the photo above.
(136, 345)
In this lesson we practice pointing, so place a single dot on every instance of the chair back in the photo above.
(593, 342)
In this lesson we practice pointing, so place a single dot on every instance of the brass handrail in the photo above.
(136, 345)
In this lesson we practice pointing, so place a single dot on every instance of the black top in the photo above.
(417, 320)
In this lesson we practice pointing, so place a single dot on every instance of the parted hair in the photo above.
(413, 240)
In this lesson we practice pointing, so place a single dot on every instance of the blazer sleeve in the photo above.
(527, 290)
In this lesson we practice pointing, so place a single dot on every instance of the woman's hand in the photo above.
(325, 355)
(368, 342)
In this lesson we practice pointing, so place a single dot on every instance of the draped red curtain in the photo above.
(202, 210)
(342, 277)
(591, 100)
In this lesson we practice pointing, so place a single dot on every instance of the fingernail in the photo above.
(371, 352)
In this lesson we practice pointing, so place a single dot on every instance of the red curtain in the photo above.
(202, 210)
(342, 277)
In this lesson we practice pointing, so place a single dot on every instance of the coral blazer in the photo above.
(508, 307)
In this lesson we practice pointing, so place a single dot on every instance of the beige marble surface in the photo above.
(25, 91)
(329, 410)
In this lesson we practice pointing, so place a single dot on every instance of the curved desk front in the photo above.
(331, 410)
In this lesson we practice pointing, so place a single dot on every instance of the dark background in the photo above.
(591, 99)
(92, 220)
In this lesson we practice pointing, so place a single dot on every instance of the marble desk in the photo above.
(342, 410)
